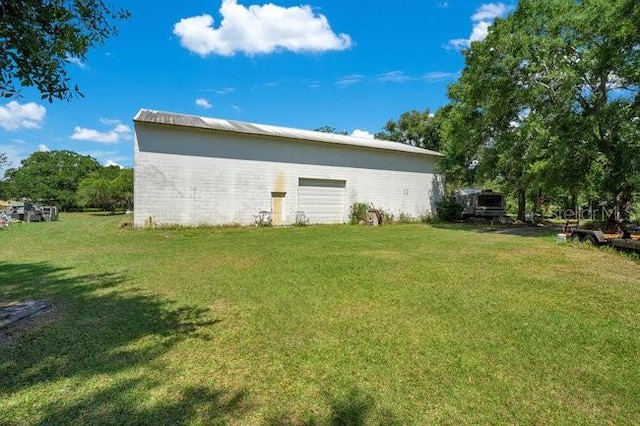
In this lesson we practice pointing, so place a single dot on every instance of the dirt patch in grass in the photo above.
(18, 317)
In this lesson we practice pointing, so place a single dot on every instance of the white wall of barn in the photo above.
(196, 177)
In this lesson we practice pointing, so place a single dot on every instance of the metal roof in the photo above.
(231, 126)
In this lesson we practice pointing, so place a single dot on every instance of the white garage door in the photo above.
(322, 200)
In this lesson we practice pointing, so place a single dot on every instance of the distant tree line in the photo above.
(68, 180)
(548, 104)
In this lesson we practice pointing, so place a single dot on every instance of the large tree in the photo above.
(416, 128)
(38, 38)
(50, 177)
(490, 127)
(550, 99)
(108, 188)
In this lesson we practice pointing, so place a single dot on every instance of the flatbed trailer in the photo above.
(599, 238)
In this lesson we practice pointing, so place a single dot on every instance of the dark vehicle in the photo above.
(480, 203)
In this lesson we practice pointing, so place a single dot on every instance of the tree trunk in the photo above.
(575, 203)
(623, 204)
(522, 204)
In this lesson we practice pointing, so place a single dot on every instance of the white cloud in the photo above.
(458, 44)
(397, 77)
(435, 76)
(225, 90)
(84, 134)
(77, 61)
(14, 116)
(362, 134)
(480, 31)
(202, 102)
(108, 158)
(489, 12)
(109, 163)
(348, 80)
(482, 20)
(394, 77)
(110, 121)
(43, 148)
(119, 133)
(259, 29)
(123, 129)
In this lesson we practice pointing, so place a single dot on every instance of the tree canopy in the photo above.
(38, 38)
(108, 188)
(550, 100)
(50, 177)
(416, 128)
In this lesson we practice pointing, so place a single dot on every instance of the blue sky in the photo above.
(305, 63)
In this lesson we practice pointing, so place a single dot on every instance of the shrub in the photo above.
(406, 218)
(359, 212)
(428, 218)
(387, 217)
(449, 210)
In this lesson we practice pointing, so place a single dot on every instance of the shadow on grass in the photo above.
(108, 213)
(100, 328)
(516, 230)
(112, 406)
(355, 408)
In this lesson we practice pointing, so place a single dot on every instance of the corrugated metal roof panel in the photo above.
(216, 124)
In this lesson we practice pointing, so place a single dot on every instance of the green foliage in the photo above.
(330, 129)
(460, 130)
(550, 100)
(50, 177)
(449, 210)
(405, 218)
(4, 191)
(416, 128)
(39, 38)
(359, 212)
(634, 212)
(108, 188)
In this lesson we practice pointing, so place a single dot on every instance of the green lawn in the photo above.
(400, 324)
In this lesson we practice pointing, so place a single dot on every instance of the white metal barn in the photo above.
(192, 170)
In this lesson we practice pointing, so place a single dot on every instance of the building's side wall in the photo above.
(193, 177)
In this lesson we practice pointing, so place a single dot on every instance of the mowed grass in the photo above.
(401, 324)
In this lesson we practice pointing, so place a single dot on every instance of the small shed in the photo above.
(192, 170)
